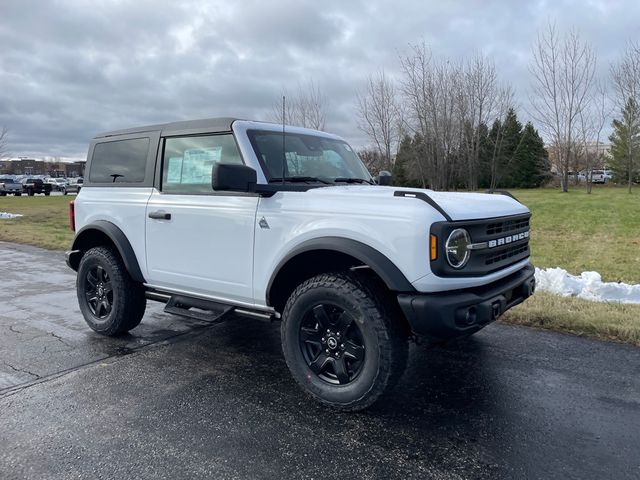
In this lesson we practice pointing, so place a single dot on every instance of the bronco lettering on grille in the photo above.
(507, 240)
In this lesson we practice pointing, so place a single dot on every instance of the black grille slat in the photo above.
(506, 227)
(506, 254)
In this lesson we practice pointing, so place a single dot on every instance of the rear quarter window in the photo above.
(120, 161)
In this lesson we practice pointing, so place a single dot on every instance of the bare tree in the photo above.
(592, 121)
(505, 102)
(479, 105)
(626, 81)
(562, 71)
(432, 89)
(379, 116)
(4, 143)
(307, 108)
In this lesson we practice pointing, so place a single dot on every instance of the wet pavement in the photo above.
(180, 398)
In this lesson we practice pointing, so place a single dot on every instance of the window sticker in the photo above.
(174, 174)
(198, 164)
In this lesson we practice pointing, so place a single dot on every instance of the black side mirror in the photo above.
(384, 178)
(233, 177)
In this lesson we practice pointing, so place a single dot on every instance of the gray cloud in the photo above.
(70, 69)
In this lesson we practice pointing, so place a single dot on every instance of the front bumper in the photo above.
(446, 315)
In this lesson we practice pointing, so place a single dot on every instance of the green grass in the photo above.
(581, 232)
(45, 222)
(607, 321)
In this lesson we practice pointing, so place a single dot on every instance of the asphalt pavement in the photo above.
(180, 398)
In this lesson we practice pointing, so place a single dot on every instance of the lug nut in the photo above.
(322, 339)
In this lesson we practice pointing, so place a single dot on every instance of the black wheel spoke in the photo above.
(107, 288)
(310, 335)
(320, 314)
(354, 351)
(101, 273)
(344, 322)
(319, 363)
(107, 306)
(92, 280)
(340, 369)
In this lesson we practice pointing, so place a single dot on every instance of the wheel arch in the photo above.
(329, 254)
(103, 232)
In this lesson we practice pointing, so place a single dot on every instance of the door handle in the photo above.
(160, 215)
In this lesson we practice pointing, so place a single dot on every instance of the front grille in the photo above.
(506, 254)
(505, 241)
(507, 226)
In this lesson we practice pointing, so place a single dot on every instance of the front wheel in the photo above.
(110, 300)
(340, 343)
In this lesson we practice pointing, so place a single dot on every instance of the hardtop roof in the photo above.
(220, 124)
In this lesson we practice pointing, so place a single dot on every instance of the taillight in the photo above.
(72, 215)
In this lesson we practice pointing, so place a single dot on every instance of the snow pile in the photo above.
(588, 285)
(9, 215)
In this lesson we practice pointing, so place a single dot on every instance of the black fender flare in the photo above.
(118, 238)
(390, 274)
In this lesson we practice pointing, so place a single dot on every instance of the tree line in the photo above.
(445, 123)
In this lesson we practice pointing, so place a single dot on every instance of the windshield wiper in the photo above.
(352, 180)
(300, 179)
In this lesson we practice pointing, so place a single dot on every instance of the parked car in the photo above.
(244, 219)
(601, 176)
(8, 186)
(32, 186)
(74, 186)
(58, 184)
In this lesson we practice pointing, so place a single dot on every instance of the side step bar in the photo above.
(205, 310)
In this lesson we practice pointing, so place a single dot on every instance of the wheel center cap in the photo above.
(100, 291)
(332, 343)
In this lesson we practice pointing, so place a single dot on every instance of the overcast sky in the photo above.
(70, 69)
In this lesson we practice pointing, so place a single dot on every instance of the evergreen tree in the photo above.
(625, 144)
(531, 166)
(402, 165)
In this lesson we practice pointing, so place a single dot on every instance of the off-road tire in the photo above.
(128, 301)
(48, 193)
(385, 343)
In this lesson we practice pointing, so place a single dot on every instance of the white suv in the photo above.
(226, 216)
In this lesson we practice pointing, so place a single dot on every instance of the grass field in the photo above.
(45, 222)
(574, 231)
(608, 321)
(581, 232)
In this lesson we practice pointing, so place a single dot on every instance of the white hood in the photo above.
(458, 205)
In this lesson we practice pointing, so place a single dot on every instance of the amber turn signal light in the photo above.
(433, 247)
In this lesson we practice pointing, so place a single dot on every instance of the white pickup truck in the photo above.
(226, 218)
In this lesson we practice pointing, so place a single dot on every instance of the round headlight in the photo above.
(457, 248)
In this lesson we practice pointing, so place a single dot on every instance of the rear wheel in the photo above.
(340, 343)
(48, 193)
(110, 300)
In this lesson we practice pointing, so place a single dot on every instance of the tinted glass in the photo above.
(188, 162)
(122, 161)
(306, 155)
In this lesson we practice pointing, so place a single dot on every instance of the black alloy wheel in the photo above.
(98, 291)
(110, 300)
(342, 341)
(332, 344)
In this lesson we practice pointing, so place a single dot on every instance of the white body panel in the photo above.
(125, 207)
(206, 247)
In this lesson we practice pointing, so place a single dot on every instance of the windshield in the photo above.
(308, 157)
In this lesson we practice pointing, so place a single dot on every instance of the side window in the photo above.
(121, 161)
(188, 162)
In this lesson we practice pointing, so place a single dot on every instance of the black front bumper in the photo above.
(446, 315)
